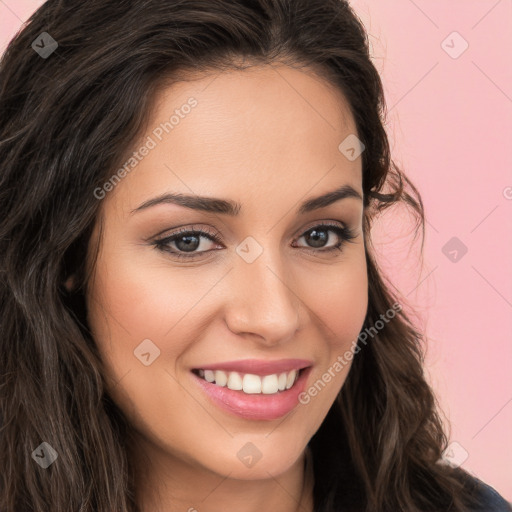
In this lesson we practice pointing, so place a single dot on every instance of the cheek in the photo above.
(143, 300)
(339, 301)
(131, 303)
(132, 308)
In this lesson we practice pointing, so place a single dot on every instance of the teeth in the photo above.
(235, 381)
(269, 384)
(250, 383)
(281, 382)
(221, 378)
(290, 379)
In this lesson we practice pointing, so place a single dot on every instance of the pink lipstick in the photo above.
(254, 389)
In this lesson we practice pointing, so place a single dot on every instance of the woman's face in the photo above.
(268, 140)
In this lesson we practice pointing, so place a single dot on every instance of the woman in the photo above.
(192, 315)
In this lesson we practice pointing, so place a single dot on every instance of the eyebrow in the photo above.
(232, 208)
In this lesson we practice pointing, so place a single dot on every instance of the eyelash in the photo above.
(344, 232)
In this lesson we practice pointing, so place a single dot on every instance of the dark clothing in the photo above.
(490, 500)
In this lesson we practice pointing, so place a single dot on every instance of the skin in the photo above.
(266, 137)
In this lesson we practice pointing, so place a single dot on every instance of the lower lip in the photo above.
(255, 406)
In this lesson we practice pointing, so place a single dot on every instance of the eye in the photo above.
(183, 244)
(186, 241)
(318, 236)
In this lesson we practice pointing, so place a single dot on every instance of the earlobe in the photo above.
(70, 283)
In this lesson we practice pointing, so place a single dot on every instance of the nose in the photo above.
(262, 301)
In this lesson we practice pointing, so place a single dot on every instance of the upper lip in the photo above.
(259, 366)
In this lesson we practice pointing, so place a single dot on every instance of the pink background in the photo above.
(450, 127)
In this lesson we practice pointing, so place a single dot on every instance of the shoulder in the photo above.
(489, 500)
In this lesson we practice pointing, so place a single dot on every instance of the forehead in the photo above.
(264, 126)
(255, 101)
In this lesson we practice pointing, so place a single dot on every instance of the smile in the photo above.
(250, 383)
(252, 389)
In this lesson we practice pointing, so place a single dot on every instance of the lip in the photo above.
(254, 406)
(259, 366)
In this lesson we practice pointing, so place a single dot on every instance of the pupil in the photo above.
(189, 246)
(316, 238)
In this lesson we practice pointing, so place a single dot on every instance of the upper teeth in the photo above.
(250, 383)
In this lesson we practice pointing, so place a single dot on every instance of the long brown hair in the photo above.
(67, 120)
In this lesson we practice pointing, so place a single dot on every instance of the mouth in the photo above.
(250, 383)
(260, 395)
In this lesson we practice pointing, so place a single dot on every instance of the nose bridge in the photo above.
(263, 301)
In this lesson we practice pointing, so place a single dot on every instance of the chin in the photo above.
(253, 463)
